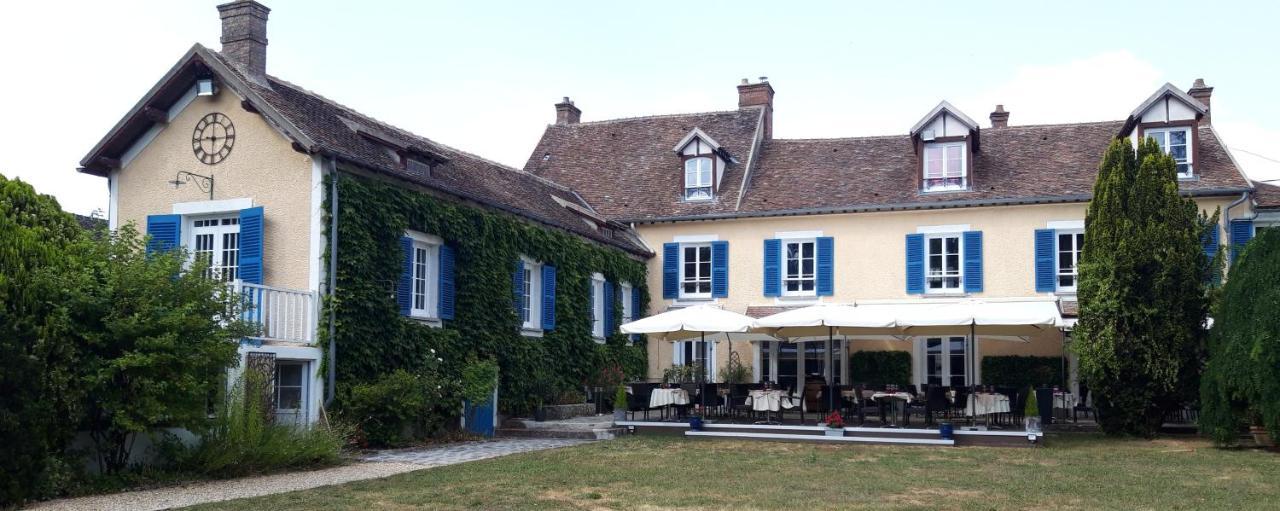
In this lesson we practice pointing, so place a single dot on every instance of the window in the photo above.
(425, 279)
(1069, 245)
(942, 273)
(945, 361)
(695, 274)
(697, 178)
(531, 295)
(798, 279)
(290, 392)
(597, 305)
(944, 167)
(216, 242)
(1175, 142)
(690, 353)
(628, 312)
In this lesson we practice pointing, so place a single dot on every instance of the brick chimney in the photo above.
(566, 113)
(758, 94)
(999, 118)
(1201, 92)
(244, 37)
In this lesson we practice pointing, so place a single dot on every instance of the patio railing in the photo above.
(288, 315)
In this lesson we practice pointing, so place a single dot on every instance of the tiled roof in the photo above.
(1069, 308)
(1267, 196)
(760, 311)
(333, 128)
(626, 168)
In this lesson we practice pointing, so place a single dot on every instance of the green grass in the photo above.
(646, 473)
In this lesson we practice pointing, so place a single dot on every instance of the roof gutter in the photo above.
(910, 206)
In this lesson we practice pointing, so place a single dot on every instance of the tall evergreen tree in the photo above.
(1142, 290)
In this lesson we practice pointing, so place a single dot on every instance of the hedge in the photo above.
(1019, 371)
(880, 367)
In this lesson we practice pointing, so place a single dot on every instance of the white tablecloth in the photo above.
(665, 397)
(984, 404)
(905, 396)
(1064, 400)
(770, 400)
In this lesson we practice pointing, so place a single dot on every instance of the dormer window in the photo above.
(698, 174)
(944, 167)
(417, 167)
(1175, 142)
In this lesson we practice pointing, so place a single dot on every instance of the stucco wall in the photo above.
(262, 166)
(870, 262)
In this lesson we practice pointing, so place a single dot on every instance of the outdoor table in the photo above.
(770, 401)
(1063, 402)
(852, 395)
(667, 397)
(986, 404)
(899, 400)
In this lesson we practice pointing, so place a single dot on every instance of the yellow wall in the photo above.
(262, 166)
(870, 261)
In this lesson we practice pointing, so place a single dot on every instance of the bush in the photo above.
(399, 408)
(244, 439)
(880, 367)
(1020, 371)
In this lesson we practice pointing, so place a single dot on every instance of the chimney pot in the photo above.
(1202, 93)
(244, 37)
(758, 94)
(567, 113)
(999, 118)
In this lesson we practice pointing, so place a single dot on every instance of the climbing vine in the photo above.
(373, 339)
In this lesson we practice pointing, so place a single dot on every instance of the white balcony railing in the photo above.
(288, 315)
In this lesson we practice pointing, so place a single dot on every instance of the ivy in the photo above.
(373, 339)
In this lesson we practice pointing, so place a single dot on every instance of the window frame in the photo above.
(697, 280)
(431, 278)
(964, 167)
(628, 315)
(597, 306)
(1077, 237)
(1163, 140)
(800, 278)
(709, 185)
(959, 270)
(945, 353)
(531, 296)
(299, 414)
(228, 223)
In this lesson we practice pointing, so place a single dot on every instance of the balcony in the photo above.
(283, 315)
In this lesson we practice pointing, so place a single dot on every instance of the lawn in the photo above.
(1074, 472)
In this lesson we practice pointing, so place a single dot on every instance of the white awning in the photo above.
(994, 318)
(699, 321)
(826, 320)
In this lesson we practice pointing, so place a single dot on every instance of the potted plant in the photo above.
(835, 424)
(1031, 413)
(542, 391)
(695, 418)
(620, 404)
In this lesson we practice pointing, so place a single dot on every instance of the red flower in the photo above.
(834, 420)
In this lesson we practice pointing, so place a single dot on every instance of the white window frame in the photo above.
(228, 223)
(292, 416)
(678, 358)
(959, 271)
(532, 296)
(693, 178)
(597, 306)
(922, 354)
(696, 278)
(430, 293)
(800, 276)
(947, 171)
(628, 315)
(1163, 140)
(1077, 238)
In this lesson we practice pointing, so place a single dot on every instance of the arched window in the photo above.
(697, 178)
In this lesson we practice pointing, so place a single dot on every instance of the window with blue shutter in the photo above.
(773, 267)
(404, 285)
(670, 270)
(608, 297)
(548, 297)
(1045, 261)
(636, 313)
(719, 269)
(826, 265)
(251, 268)
(973, 261)
(915, 264)
(446, 283)
(165, 232)
(1241, 233)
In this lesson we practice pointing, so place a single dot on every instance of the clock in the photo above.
(213, 138)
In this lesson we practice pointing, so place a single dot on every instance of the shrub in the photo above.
(880, 367)
(398, 408)
(1020, 371)
(1032, 408)
(735, 372)
(620, 398)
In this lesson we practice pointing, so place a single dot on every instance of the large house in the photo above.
(949, 210)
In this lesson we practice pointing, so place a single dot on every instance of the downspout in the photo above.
(330, 390)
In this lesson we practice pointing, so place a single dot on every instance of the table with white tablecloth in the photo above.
(667, 397)
(770, 400)
(986, 404)
(1064, 400)
(897, 401)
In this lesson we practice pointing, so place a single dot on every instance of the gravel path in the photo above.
(373, 466)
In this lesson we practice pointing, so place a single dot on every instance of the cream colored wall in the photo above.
(870, 261)
(262, 166)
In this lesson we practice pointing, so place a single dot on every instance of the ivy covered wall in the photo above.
(373, 339)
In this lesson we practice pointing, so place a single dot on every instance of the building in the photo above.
(949, 210)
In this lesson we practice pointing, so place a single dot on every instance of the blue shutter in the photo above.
(636, 313)
(517, 289)
(251, 269)
(670, 270)
(548, 297)
(1045, 261)
(1211, 242)
(404, 285)
(165, 232)
(915, 264)
(826, 247)
(973, 261)
(608, 308)
(1241, 233)
(719, 269)
(448, 291)
(773, 267)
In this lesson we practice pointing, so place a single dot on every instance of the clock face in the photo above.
(213, 138)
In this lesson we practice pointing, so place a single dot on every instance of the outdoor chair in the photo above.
(714, 400)
(683, 410)
(1082, 405)
(638, 399)
(935, 404)
(847, 403)
(738, 394)
(959, 407)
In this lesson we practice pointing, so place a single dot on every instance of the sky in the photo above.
(484, 76)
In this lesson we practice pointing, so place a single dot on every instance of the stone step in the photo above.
(577, 424)
(608, 433)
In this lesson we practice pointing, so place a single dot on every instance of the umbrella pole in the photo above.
(973, 378)
(706, 375)
(831, 370)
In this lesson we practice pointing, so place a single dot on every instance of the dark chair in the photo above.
(714, 401)
(738, 394)
(1082, 405)
(691, 389)
(638, 399)
(960, 406)
(847, 403)
(936, 403)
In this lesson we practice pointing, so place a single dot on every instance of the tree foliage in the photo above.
(1242, 377)
(1142, 292)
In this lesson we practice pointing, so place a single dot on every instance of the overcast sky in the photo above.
(483, 76)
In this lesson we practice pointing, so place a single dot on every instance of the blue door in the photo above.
(481, 419)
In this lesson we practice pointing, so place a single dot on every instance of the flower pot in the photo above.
(1033, 424)
(695, 423)
(946, 431)
(835, 431)
(619, 415)
(1262, 437)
